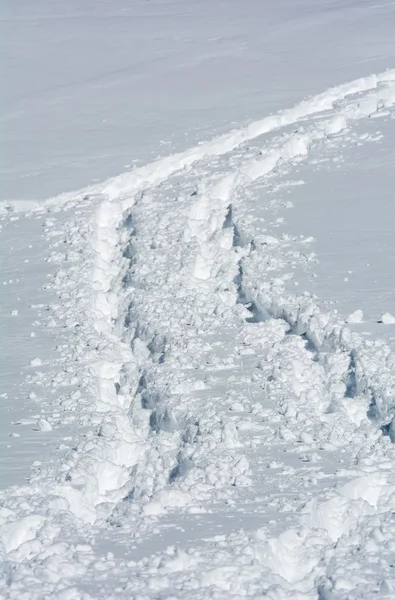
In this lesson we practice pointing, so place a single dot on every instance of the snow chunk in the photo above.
(387, 319)
(229, 435)
(36, 362)
(153, 509)
(16, 533)
(355, 317)
(368, 487)
(43, 425)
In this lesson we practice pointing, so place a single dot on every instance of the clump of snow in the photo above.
(355, 317)
(44, 425)
(36, 362)
(387, 318)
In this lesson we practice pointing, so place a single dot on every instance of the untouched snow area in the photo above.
(198, 385)
(95, 87)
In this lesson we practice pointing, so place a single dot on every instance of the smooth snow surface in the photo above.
(202, 424)
(97, 87)
(26, 345)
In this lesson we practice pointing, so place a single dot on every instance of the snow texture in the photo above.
(204, 385)
(234, 439)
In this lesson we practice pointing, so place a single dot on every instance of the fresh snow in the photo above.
(387, 318)
(205, 393)
(95, 88)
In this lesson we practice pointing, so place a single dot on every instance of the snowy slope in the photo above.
(220, 432)
(94, 87)
(208, 388)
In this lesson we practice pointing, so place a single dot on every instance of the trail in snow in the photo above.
(209, 390)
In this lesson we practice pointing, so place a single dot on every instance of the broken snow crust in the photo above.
(207, 389)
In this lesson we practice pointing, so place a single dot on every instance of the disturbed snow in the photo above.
(211, 396)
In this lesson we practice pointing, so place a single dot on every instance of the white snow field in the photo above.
(198, 383)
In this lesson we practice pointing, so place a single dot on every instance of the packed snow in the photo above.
(198, 400)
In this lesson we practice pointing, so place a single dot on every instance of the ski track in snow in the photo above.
(205, 388)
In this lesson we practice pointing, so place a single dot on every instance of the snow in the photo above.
(92, 88)
(352, 236)
(201, 422)
(355, 317)
(387, 318)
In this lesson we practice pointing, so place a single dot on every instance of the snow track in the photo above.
(204, 387)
